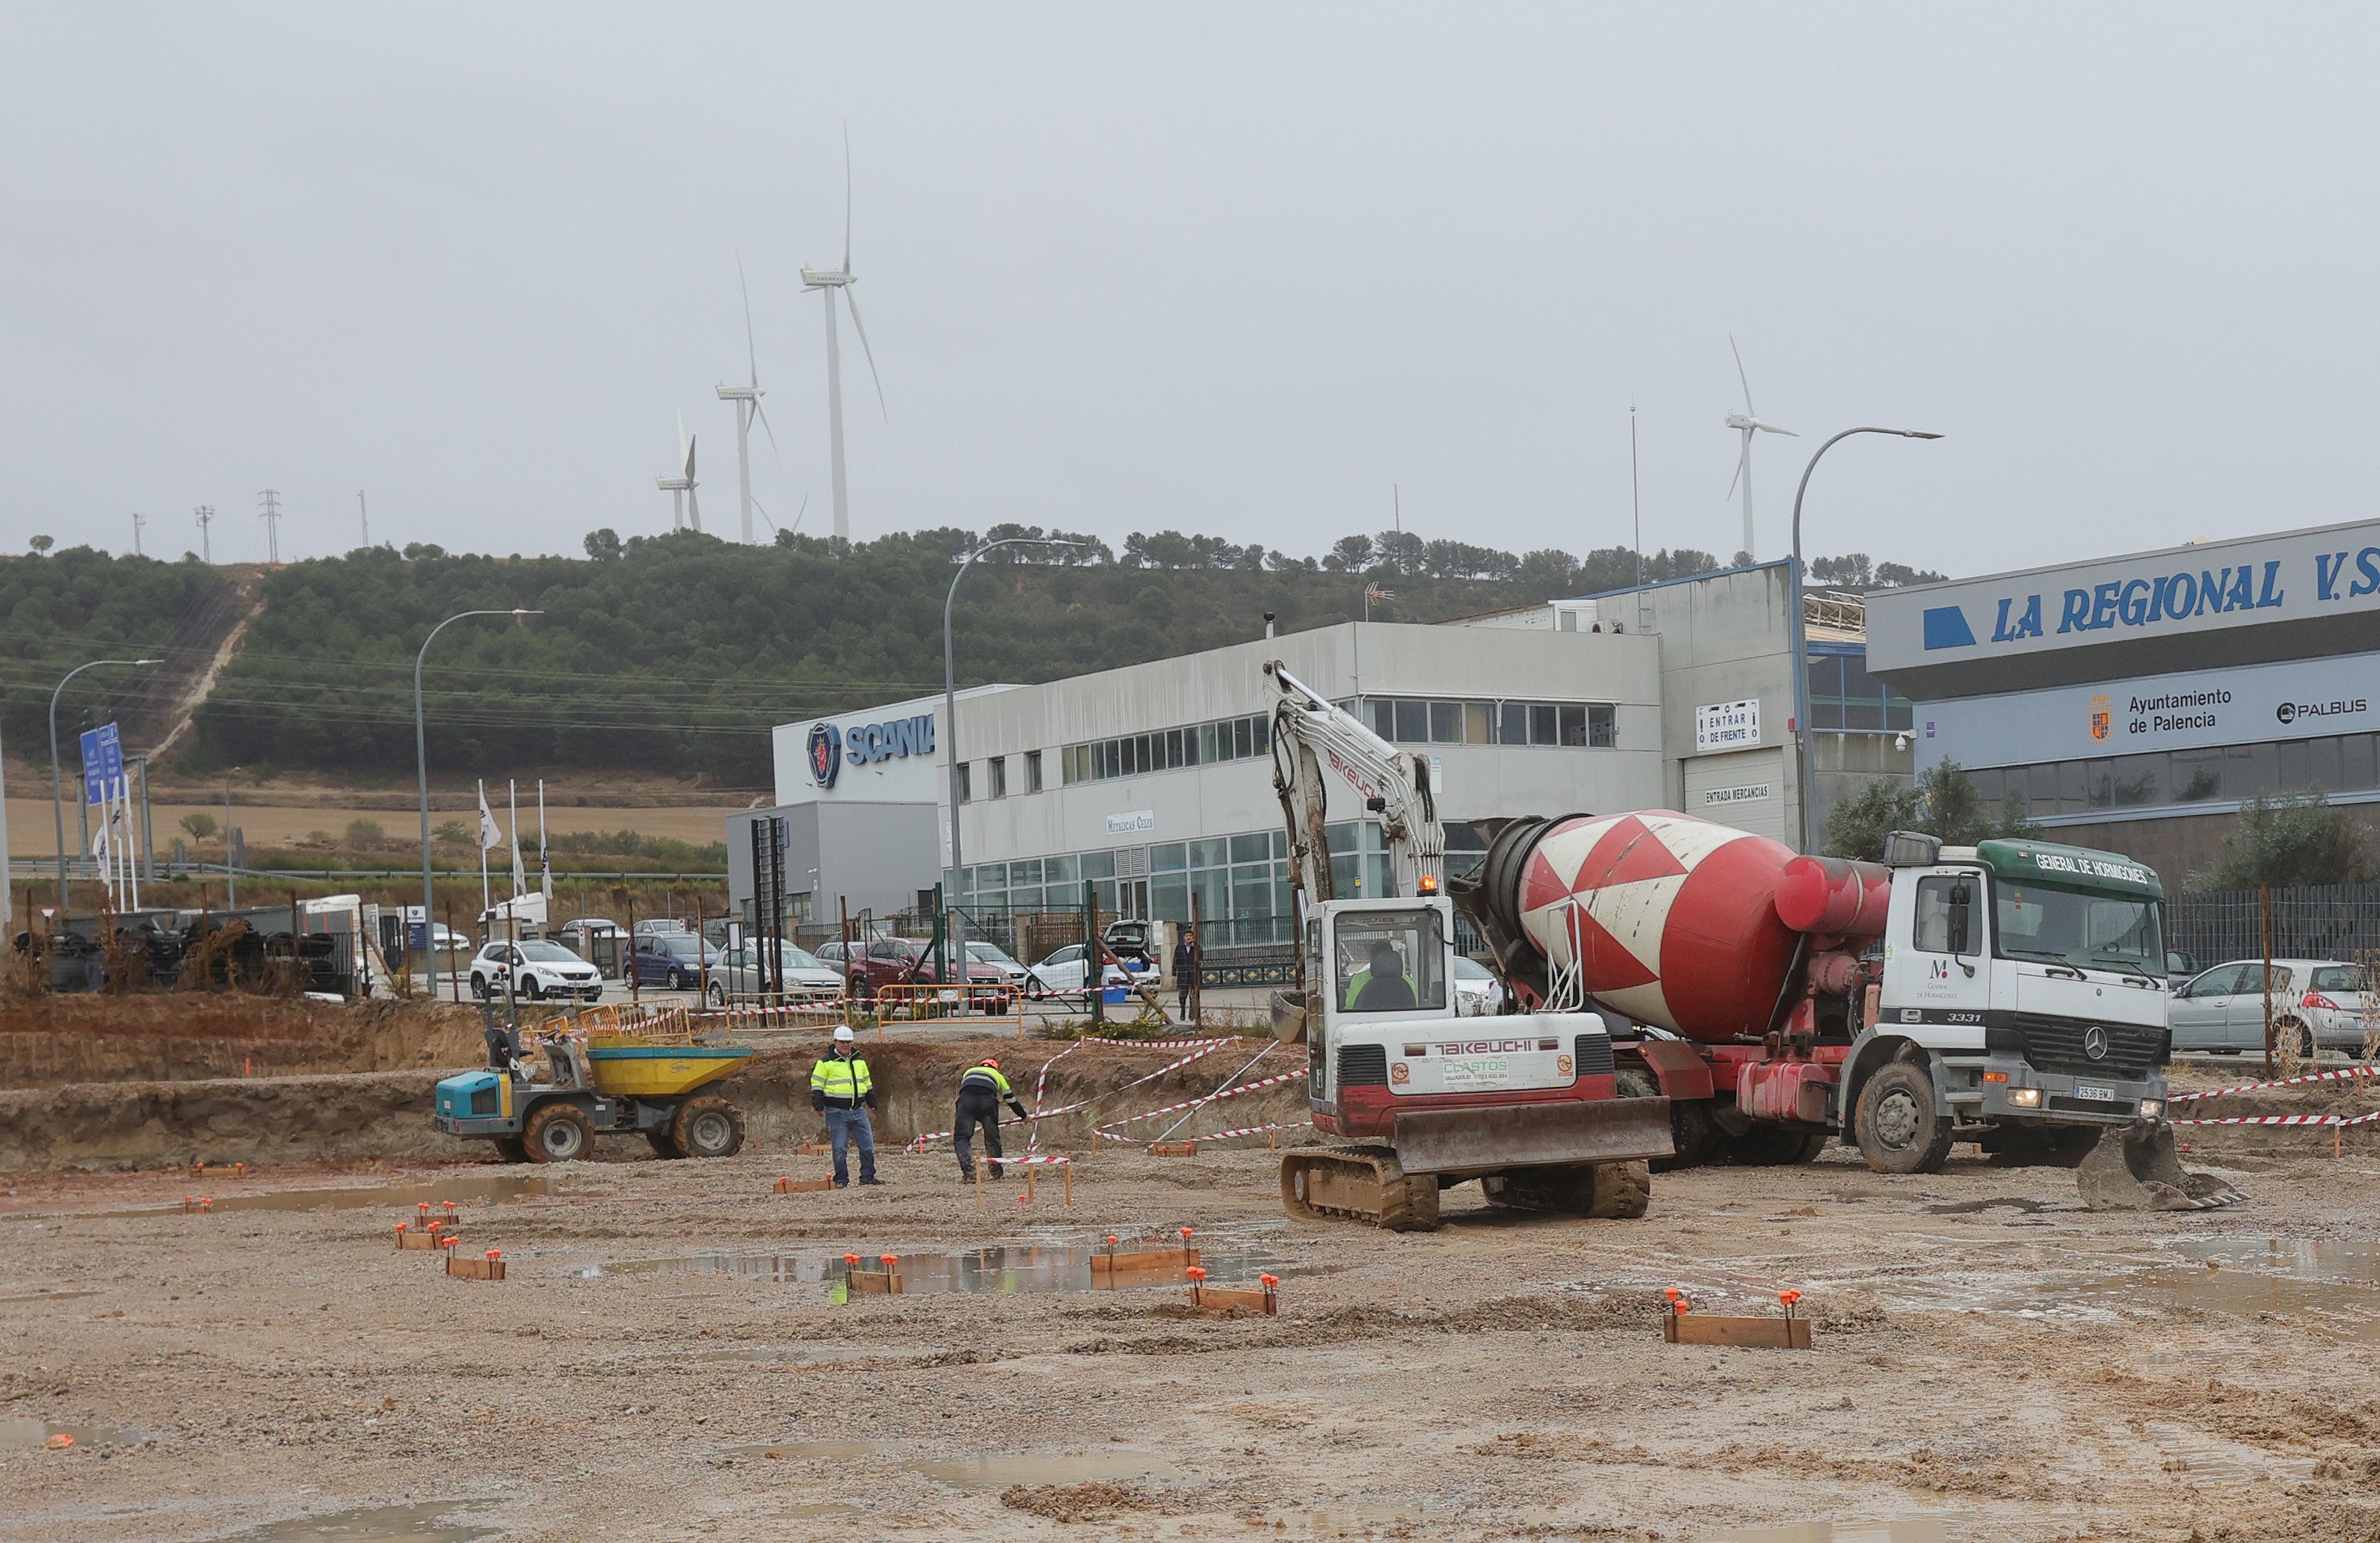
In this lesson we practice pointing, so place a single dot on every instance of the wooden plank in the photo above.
(1222, 1299)
(803, 1187)
(1748, 1333)
(882, 1283)
(432, 1240)
(466, 1266)
(1174, 1149)
(813, 1149)
(1162, 1259)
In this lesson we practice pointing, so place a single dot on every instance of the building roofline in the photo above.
(1667, 583)
(2133, 556)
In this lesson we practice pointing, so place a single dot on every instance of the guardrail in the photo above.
(819, 1007)
(985, 1005)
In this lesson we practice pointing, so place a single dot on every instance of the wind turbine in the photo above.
(1747, 423)
(680, 488)
(831, 283)
(747, 398)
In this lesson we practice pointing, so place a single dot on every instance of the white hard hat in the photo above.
(841, 1034)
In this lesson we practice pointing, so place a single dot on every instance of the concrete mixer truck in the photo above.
(2011, 994)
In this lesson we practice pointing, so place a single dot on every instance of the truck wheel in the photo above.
(1690, 1126)
(708, 1127)
(663, 1144)
(718, 995)
(1774, 1147)
(1895, 1124)
(557, 1133)
(510, 1149)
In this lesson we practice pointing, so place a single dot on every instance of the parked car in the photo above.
(1064, 971)
(2318, 1006)
(1477, 992)
(908, 961)
(998, 958)
(673, 959)
(744, 969)
(1130, 938)
(538, 970)
(579, 935)
(649, 926)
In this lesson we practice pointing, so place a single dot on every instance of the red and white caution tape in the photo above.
(1108, 1130)
(2279, 1120)
(1255, 1129)
(2337, 1075)
(1206, 1047)
(1217, 1041)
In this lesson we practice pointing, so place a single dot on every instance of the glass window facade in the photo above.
(1410, 720)
(1844, 699)
(1166, 749)
(2341, 763)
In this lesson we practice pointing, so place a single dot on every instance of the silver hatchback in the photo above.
(2318, 1004)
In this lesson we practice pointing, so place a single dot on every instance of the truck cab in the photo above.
(2023, 980)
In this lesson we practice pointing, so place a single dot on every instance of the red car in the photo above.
(908, 961)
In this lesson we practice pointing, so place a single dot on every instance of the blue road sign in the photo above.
(103, 763)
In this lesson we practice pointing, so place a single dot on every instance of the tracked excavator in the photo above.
(1419, 1099)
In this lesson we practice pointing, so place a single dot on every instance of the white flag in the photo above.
(489, 837)
(521, 880)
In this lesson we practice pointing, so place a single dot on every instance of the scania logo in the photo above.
(825, 753)
(2095, 1042)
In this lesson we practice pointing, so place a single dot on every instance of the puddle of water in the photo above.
(1908, 1529)
(378, 1524)
(2296, 1258)
(36, 1435)
(977, 1471)
(1971, 1208)
(1032, 1267)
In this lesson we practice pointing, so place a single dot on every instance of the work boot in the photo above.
(864, 1183)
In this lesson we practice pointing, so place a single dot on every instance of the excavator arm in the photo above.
(1310, 733)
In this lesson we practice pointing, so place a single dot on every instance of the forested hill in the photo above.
(676, 653)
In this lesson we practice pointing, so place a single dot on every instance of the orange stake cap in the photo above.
(1789, 1297)
(495, 1253)
(1195, 1274)
(888, 1260)
(1671, 1293)
(1268, 1281)
(851, 1258)
(1186, 1232)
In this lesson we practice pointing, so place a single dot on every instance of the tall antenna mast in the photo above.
(1637, 510)
(206, 516)
(138, 520)
(270, 515)
(363, 515)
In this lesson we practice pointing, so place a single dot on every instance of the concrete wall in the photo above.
(1843, 764)
(1726, 637)
(1340, 662)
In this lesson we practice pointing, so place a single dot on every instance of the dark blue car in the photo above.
(677, 960)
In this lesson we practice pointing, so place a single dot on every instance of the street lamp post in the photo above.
(421, 763)
(57, 788)
(1801, 633)
(951, 733)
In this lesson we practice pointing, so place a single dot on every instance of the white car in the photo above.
(1066, 970)
(998, 958)
(538, 970)
(2317, 1004)
(744, 970)
(1477, 992)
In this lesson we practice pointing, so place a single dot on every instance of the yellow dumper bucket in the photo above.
(628, 1067)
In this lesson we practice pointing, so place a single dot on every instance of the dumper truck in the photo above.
(2011, 994)
(610, 1082)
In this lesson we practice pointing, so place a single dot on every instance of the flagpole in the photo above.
(485, 905)
(545, 864)
(512, 793)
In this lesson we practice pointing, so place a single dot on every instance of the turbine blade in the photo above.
(689, 458)
(1749, 411)
(799, 513)
(1771, 428)
(852, 301)
(764, 513)
(751, 349)
(1743, 460)
(762, 415)
(846, 198)
(693, 509)
(683, 452)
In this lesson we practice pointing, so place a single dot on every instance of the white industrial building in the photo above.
(1152, 784)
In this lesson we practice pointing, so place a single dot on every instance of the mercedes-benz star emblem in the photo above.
(2095, 1042)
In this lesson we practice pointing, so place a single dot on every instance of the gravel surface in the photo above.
(1991, 1361)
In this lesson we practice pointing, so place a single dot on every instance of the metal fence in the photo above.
(2314, 921)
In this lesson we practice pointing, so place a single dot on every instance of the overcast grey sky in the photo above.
(1232, 270)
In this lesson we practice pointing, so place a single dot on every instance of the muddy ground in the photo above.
(1991, 1361)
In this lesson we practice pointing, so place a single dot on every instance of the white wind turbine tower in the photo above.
(747, 398)
(841, 280)
(1747, 423)
(681, 487)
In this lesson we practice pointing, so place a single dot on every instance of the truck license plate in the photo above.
(2097, 1095)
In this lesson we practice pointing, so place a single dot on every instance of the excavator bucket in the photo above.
(1289, 1016)
(2135, 1167)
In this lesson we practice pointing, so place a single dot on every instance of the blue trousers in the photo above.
(845, 1126)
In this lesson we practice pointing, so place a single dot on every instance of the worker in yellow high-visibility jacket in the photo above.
(842, 1088)
(981, 1088)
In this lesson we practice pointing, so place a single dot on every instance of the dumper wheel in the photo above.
(663, 1144)
(1359, 1184)
(512, 1149)
(557, 1133)
(1896, 1126)
(708, 1127)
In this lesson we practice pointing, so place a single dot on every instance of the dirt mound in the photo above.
(51, 1040)
(292, 1119)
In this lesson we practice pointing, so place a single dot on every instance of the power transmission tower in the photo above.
(270, 515)
(138, 520)
(206, 516)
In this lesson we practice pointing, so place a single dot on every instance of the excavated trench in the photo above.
(355, 1116)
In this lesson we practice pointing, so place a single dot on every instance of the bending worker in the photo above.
(980, 1092)
(842, 1088)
